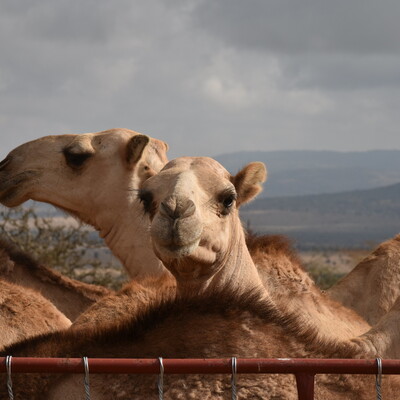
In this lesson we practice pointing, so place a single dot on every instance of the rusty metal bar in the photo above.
(201, 366)
(305, 385)
(303, 369)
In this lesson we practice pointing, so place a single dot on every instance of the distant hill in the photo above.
(294, 173)
(349, 219)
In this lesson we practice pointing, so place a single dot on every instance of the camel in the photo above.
(119, 217)
(24, 313)
(280, 271)
(70, 296)
(222, 308)
(94, 177)
(373, 286)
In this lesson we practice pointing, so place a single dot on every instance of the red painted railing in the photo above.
(303, 369)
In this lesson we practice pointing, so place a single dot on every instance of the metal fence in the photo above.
(303, 369)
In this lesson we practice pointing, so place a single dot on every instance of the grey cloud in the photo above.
(207, 77)
(342, 71)
(286, 26)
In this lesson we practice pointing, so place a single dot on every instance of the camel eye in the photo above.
(76, 160)
(227, 200)
(146, 198)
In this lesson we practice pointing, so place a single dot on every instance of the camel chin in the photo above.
(14, 188)
(12, 197)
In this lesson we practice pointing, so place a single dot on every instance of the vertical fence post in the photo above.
(305, 385)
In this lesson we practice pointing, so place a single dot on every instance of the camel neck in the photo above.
(127, 236)
(236, 272)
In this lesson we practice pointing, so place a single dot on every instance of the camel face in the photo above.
(192, 204)
(72, 171)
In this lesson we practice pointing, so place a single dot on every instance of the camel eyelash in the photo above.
(76, 160)
(146, 198)
(227, 198)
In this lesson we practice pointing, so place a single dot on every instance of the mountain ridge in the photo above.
(302, 172)
(347, 219)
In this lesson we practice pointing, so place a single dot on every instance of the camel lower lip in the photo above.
(7, 195)
(180, 250)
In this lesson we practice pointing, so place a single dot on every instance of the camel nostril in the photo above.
(5, 162)
(187, 209)
(177, 208)
(168, 209)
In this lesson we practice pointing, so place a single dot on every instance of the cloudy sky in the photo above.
(206, 76)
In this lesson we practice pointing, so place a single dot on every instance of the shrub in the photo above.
(323, 276)
(62, 243)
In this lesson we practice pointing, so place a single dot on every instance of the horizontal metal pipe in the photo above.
(200, 366)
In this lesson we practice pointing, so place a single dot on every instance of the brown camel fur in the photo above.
(126, 303)
(219, 325)
(24, 313)
(70, 296)
(223, 309)
(373, 286)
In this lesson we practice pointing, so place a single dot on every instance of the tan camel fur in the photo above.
(94, 177)
(70, 296)
(223, 309)
(24, 313)
(373, 286)
(292, 289)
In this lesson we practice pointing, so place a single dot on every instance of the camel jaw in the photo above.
(13, 188)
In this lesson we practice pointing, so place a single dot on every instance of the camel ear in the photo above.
(135, 148)
(248, 182)
(165, 144)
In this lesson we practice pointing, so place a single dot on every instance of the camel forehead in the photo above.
(200, 166)
(186, 173)
(100, 140)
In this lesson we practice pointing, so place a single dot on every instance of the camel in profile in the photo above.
(94, 177)
(222, 309)
(70, 296)
(24, 313)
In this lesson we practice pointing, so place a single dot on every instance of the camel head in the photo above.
(193, 207)
(80, 173)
